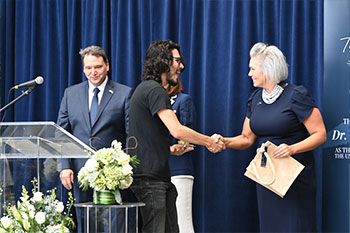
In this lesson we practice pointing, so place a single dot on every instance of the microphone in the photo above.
(30, 84)
(37, 80)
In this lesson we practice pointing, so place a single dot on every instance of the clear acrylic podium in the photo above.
(32, 149)
(39, 140)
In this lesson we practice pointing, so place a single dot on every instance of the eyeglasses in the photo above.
(179, 60)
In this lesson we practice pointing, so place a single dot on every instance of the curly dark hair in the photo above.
(158, 59)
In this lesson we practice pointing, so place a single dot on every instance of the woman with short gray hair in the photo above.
(286, 115)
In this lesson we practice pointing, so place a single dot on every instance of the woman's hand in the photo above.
(283, 150)
(180, 149)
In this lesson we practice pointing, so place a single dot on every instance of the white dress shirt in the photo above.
(100, 94)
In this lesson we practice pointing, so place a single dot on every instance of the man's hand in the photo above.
(67, 178)
(180, 149)
(217, 144)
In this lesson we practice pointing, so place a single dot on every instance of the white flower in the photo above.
(16, 213)
(123, 158)
(38, 196)
(40, 217)
(37, 212)
(60, 207)
(26, 224)
(57, 229)
(91, 165)
(6, 221)
(82, 173)
(31, 209)
(108, 169)
(124, 184)
(24, 216)
(117, 145)
(127, 169)
(31, 214)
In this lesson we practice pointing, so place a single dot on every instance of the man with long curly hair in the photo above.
(151, 118)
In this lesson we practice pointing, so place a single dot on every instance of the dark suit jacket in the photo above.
(111, 121)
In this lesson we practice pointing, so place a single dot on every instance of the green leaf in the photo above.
(118, 197)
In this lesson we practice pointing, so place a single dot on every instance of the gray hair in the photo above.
(94, 51)
(272, 62)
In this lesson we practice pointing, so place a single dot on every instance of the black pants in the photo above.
(159, 215)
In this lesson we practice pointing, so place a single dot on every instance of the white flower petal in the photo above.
(6, 222)
(40, 217)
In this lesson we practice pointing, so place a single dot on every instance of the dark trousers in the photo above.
(159, 215)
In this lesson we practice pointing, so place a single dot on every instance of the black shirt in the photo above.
(152, 135)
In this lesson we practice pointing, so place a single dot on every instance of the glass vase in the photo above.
(104, 197)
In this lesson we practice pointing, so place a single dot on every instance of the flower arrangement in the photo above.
(108, 169)
(39, 213)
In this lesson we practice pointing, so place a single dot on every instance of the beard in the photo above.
(172, 82)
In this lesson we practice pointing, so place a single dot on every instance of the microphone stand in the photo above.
(24, 93)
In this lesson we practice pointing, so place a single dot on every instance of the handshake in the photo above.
(217, 143)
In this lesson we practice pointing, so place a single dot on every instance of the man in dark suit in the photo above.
(96, 112)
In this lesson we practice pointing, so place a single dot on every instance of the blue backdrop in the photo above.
(336, 153)
(43, 37)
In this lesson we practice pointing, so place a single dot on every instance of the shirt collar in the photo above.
(101, 87)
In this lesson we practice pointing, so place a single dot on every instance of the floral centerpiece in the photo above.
(39, 213)
(108, 171)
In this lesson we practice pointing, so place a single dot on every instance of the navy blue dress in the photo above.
(183, 107)
(281, 122)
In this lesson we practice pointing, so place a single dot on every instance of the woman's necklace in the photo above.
(272, 97)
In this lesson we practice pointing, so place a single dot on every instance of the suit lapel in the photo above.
(107, 95)
(84, 103)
